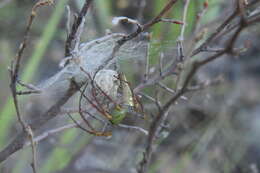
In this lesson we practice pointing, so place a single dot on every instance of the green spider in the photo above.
(129, 103)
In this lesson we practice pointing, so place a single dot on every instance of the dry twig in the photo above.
(70, 42)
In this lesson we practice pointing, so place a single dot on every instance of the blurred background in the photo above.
(214, 130)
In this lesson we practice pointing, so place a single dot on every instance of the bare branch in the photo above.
(33, 145)
(181, 37)
(72, 35)
(134, 128)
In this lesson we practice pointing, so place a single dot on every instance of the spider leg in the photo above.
(94, 93)
(80, 108)
(100, 110)
(93, 132)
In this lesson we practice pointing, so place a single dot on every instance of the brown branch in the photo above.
(15, 64)
(146, 26)
(33, 145)
(197, 64)
(215, 33)
(140, 29)
(15, 67)
(72, 35)
(48, 133)
(204, 46)
(181, 37)
(40, 120)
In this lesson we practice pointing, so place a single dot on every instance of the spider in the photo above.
(128, 103)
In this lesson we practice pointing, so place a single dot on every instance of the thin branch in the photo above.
(72, 35)
(171, 91)
(21, 138)
(147, 63)
(28, 86)
(172, 21)
(15, 64)
(68, 29)
(33, 145)
(215, 33)
(181, 37)
(143, 166)
(48, 133)
(161, 63)
(27, 92)
(165, 109)
(146, 26)
(148, 97)
(140, 29)
(133, 128)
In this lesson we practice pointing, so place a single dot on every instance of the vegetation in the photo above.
(175, 91)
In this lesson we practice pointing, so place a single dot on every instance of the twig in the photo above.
(147, 63)
(200, 15)
(143, 166)
(33, 145)
(169, 71)
(68, 29)
(215, 33)
(28, 86)
(191, 72)
(48, 133)
(161, 63)
(140, 29)
(15, 64)
(134, 128)
(172, 21)
(170, 90)
(15, 67)
(146, 26)
(148, 97)
(28, 92)
(71, 38)
(54, 110)
(181, 37)
(78, 35)
(205, 84)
